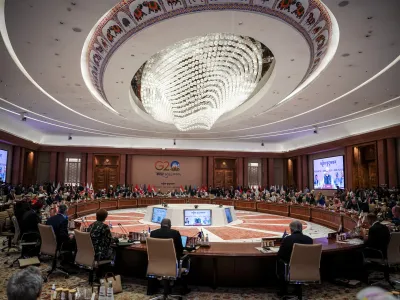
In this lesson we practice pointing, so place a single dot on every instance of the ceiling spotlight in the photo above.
(262, 144)
(23, 116)
(315, 130)
(174, 142)
(69, 137)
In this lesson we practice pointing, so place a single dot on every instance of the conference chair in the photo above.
(304, 266)
(5, 231)
(375, 258)
(163, 265)
(25, 243)
(85, 255)
(48, 247)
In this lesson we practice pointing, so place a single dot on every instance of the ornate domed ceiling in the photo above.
(69, 66)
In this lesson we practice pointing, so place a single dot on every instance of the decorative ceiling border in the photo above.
(309, 17)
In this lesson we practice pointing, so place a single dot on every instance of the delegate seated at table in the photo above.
(286, 248)
(378, 235)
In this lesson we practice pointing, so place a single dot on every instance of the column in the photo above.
(53, 167)
(264, 173)
(391, 162)
(203, 171)
(239, 171)
(290, 173)
(61, 167)
(382, 162)
(271, 179)
(89, 169)
(83, 170)
(245, 171)
(122, 169)
(16, 163)
(299, 173)
(210, 171)
(304, 167)
(21, 166)
(349, 167)
(129, 170)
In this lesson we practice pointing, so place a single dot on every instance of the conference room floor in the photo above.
(251, 228)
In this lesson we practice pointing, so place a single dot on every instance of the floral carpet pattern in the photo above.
(251, 226)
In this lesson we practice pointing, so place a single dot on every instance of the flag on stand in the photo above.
(181, 189)
(136, 188)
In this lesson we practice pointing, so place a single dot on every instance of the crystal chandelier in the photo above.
(192, 83)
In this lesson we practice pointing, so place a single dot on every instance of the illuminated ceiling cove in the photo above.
(141, 74)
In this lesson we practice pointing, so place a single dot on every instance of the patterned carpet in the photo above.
(250, 227)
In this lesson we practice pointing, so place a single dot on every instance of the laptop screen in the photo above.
(184, 240)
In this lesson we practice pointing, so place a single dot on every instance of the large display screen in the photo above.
(328, 173)
(158, 214)
(228, 214)
(3, 165)
(197, 217)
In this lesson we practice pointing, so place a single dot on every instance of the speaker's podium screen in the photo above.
(197, 217)
(158, 214)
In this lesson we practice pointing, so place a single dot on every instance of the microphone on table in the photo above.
(124, 231)
(85, 224)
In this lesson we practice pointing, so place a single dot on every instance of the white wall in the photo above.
(8, 148)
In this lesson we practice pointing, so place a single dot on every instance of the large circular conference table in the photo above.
(236, 263)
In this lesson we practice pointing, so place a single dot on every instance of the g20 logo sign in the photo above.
(160, 165)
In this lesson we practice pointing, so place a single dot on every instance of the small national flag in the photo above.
(284, 234)
(149, 229)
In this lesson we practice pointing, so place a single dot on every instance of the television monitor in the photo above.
(228, 214)
(158, 214)
(3, 165)
(328, 173)
(197, 217)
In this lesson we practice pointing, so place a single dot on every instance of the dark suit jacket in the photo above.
(378, 238)
(30, 221)
(285, 250)
(60, 227)
(166, 233)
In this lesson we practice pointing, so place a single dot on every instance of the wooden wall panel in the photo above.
(304, 167)
(299, 173)
(204, 173)
(210, 171)
(122, 169)
(129, 177)
(264, 172)
(16, 163)
(271, 180)
(53, 167)
(382, 162)
(245, 171)
(83, 169)
(239, 171)
(61, 167)
(349, 167)
(391, 162)
(89, 168)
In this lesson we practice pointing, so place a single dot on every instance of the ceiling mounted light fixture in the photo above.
(194, 82)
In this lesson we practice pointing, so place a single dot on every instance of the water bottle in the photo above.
(53, 293)
(207, 238)
(102, 290)
(110, 291)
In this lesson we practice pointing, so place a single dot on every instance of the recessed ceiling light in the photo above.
(370, 17)
(76, 29)
(355, 103)
(350, 65)
(240, 23)
(292, 59)
(367, 35)
(343, 3)
(73, 3)
(61, 23)
(77, 84)
(56, 40)
(345, 54)
(59, 66)
(132, 55)
(122, 68)
(56, 54)
(69, 8)
(360, 52)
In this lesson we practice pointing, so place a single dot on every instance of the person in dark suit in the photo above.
(11, 196)
(165, 232)
(59, 222)
(378, 235)
(285, 250)
(31, 219)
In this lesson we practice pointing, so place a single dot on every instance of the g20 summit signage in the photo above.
(166, 169)
(166, 172)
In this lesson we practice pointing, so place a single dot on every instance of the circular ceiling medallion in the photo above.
(192, 83)
(310, 18)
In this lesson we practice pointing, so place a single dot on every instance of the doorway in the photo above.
(106, 171)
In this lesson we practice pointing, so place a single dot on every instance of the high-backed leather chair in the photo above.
(163, 265)
(304, 266)
(48, 247)
(85, 254)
